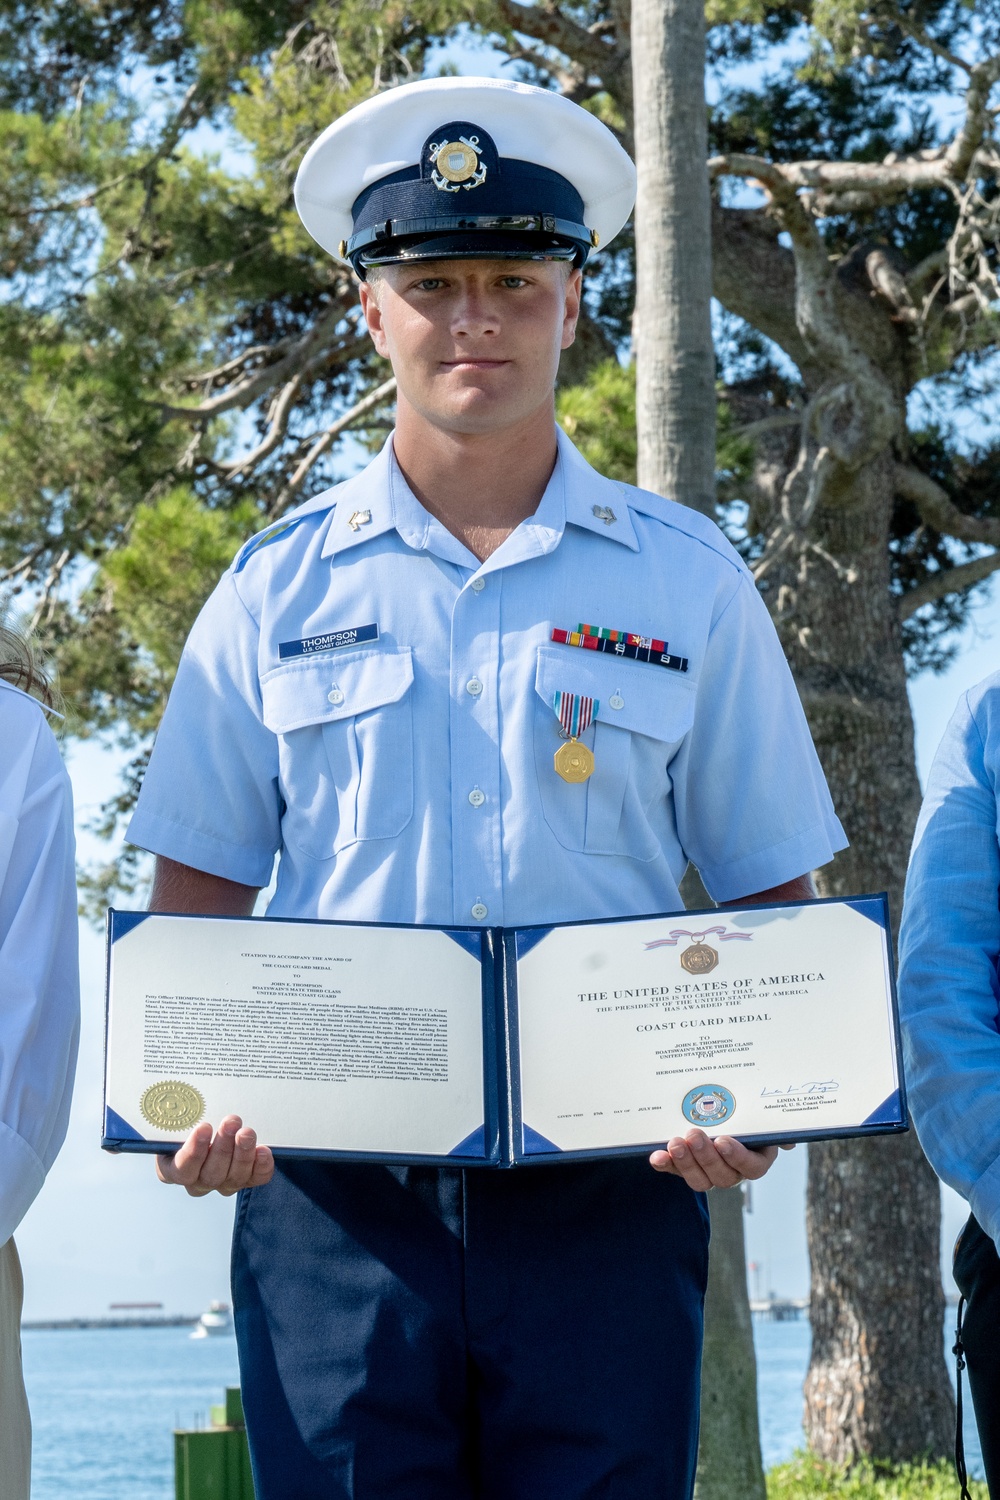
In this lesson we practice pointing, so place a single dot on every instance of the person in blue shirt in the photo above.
(949, 1000)
(373, 692)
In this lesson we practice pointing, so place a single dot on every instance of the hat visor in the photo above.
(481, 245)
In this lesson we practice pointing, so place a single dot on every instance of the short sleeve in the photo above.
(210, 795)
(949, 947)
(751, 801)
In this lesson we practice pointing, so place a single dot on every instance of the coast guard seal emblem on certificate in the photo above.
(699, 958)
(708, 1104)
(172, 1105)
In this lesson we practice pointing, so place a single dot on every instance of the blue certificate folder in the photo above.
(499, 1047)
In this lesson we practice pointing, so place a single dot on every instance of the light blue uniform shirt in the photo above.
(949, 948)
(410, 777)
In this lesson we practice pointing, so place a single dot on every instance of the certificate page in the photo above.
(746, 1022)
(321, 1036)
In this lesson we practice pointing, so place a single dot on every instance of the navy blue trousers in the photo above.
(423, 1333)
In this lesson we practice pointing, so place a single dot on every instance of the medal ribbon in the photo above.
(575, 713)
(682, 932)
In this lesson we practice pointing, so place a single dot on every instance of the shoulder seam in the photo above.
(720, 545)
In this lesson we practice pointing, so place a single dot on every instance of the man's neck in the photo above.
(480, 486)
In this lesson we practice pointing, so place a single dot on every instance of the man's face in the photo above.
(474, 344)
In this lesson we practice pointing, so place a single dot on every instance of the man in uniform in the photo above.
(476, 684)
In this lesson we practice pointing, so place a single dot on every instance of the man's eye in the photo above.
(515, 281)
(429, 284)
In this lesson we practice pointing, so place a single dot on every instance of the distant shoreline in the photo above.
(178, 1320)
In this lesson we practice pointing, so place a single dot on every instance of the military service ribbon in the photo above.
(574, 762)
(622, 643)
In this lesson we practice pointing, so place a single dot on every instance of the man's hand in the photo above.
(704, 1163)
(224, 1164)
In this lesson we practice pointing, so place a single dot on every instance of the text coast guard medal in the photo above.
(172, 1105)
(574, 762)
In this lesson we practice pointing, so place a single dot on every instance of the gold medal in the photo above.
(699, 958)
(172, 1105)
(574, 762)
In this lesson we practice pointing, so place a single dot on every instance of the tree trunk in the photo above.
(675, 375)
(729, 1458)
(729, 1461)
(877, 1383)
(675, 420)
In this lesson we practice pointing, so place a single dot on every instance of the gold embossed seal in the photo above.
(172, 1105)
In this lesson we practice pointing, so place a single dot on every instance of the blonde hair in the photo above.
(21, 664)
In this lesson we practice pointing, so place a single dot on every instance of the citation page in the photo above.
(746, 1022)
(321, 1036)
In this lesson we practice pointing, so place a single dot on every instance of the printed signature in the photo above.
(826, 1086)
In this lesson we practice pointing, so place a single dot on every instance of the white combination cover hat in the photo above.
(464, 167)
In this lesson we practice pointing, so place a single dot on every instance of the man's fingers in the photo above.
(749, 1164)
(224, 1162)
(186, 1162)
(263, 1167)
(218, 1163)
(704, 1163)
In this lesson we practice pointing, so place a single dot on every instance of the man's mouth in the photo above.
(470, 363)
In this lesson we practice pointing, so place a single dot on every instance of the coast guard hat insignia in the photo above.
(457, 165)
(464, 168)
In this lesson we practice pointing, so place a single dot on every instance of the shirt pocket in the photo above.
(644, 713)
(344, 726)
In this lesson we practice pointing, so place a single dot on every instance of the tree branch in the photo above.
(279, 423)
(948, 581)
(546, 23)
(938, 510)
(297, 360)
(323, 442)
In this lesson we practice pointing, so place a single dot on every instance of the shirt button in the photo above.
(617, 701)
(335, 696)
(479, 911)
(474, 686)
(479, 584)
(476, 797)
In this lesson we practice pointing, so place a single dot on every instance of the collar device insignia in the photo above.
(359, 518)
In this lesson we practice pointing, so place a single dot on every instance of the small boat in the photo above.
(217, 1320)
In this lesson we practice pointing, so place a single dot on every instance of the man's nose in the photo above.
(473, 315)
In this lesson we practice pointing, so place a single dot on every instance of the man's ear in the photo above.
(373, 317)
(574, 296)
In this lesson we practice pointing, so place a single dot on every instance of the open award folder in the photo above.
(502, 1047)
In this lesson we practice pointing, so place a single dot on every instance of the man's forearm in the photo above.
(180, 888)
(801, 888)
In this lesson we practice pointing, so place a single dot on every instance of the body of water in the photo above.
(104, 1403)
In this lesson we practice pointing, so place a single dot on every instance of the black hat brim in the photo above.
(480, 245)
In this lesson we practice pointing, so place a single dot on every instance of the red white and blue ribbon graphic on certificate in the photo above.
(575, 712)
(682, 932)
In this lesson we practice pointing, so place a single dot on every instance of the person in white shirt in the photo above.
(39, 1002)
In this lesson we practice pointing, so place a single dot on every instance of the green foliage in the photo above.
(600, 418)
(808, 1478)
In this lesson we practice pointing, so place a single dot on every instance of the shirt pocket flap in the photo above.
(638, 696)
(323, 690)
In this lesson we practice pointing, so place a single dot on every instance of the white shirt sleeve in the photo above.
(39, 962)
(753, 809)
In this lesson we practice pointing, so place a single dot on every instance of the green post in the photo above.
(214, 1463)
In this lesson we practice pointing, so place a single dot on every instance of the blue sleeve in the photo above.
(949, 944)
(210, 795)
(752, 804)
